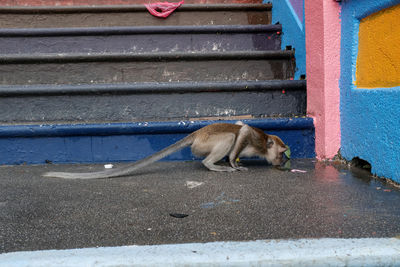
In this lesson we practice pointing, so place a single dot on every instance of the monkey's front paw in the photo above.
(241, 169)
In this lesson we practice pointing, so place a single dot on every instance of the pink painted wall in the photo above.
(323, 72)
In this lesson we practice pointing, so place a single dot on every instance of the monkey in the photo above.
(213, 142)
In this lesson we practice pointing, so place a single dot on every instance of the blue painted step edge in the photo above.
(121, 142)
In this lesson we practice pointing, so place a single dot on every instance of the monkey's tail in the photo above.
(187, 141)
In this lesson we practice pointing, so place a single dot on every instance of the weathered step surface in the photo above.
(146, 67)
(141, 39)
(151, 101)
(134, 15)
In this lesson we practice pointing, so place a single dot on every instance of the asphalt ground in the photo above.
(183, 202)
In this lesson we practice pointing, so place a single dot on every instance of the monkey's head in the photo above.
(275, 150)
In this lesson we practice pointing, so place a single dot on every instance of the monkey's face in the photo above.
(275, 150)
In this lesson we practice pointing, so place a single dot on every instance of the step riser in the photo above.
(37, 144)
(150, 101)
(140, 43)
(135, 16)
(123, 72)
(154, 107)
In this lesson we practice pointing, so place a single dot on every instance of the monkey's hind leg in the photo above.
(220, 149)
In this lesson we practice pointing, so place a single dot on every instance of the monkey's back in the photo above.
(217, 128)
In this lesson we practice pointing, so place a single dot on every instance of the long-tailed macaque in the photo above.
(213, 142)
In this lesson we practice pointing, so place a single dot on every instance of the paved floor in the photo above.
(39, 213)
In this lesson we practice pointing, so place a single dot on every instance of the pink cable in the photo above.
(163, 9)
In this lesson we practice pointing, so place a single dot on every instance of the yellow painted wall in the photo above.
(378, 61)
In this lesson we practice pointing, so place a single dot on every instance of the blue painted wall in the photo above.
(370, 118)
(290, 13)
(118, 142)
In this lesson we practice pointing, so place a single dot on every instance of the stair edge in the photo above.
(184, 29)
(150, 88)
(161, 56)
(157, 127)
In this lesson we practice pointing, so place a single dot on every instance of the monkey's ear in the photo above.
(282, 149)
(270, 143)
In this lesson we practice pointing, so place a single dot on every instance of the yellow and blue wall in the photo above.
(370, 84)
(353, 80)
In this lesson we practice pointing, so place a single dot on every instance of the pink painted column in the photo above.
(323, 72)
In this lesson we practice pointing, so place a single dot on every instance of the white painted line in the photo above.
(302, 252)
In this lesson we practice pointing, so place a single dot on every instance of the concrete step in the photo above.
(133, 15)
(146, 67)
(215, 38)
(122, 142)
(39, 104)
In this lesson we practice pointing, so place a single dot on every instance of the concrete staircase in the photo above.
(98, 84)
